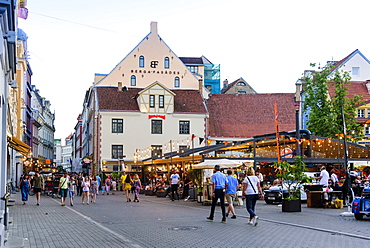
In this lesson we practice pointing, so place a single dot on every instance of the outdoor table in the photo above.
(316, 199)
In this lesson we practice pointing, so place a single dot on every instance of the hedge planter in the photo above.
(149, 192)
(291, 205)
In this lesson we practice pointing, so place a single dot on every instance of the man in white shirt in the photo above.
(174, 185)
(324, 177)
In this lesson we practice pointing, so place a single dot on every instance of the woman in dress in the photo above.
(137, 186)
(251, 189)
(108, 183)
(93, 188)
(127, 188)
(25, 188)
(85, 190)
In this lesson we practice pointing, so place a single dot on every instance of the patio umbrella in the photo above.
(223, 163)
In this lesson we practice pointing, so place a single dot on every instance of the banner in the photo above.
(23, 13)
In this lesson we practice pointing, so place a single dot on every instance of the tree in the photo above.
(325, 110)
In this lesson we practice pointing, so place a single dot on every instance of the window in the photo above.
(141, 61)
(355, 71)
(166, 62)
(117, 125)
(156, 126)
(192, 68)
(133, 81)
(117, 151)
(184, 127)
(240, 84)
(161, 101)
(360, 113)
(156, 151)
(177, 82)
(367, 130)
(368, 113)
(151, 101)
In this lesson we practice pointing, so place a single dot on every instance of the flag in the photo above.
(23, 13)
(192, 137)
(200, 140)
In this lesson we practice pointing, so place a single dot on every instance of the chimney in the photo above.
(200, 86)
(153, 28)
(119, 86)
(226, 83)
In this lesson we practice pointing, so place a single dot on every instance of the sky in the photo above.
(268, 43)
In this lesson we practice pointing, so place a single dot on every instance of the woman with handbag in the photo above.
(252, 190)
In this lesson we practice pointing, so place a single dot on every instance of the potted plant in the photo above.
(196, 175)
(293, 177)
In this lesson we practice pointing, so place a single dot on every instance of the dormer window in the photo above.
(151, 101)
(240, 84)
(141, 61)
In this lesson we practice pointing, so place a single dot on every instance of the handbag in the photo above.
(257, 195)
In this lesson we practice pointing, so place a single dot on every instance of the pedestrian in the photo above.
(72, 189)
(324, 177)
(80, 179)
(232, 187)
(63, 188)
(251, 190)
(185, 194)
(25, 187)
(123, 177)
(93, 189)
(219, 183)
(127, 188)
(38, 186)
(137, 185)
(85, 190)
(174, 185)
(114, 186)
(108, 183)
(98, 179)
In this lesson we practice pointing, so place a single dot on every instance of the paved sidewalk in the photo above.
(158, 222)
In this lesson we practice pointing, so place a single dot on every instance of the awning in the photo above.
(19, 145)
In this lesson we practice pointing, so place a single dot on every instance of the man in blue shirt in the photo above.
(232, 187)
(219, 183)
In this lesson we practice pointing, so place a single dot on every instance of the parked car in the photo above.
(276, 193)
(361, 205)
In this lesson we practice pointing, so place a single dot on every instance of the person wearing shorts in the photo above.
(38, 183)
(63, 188)
(231, 189)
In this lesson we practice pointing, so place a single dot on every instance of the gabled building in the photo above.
(358, 67)
(239, 86)
(147, 102)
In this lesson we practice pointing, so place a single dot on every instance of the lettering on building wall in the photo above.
(158, 72)
(153, 64)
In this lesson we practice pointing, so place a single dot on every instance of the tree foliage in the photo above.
(324, 109)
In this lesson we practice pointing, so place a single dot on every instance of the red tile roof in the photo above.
(248, 115)
(354, 88)
(109, 98)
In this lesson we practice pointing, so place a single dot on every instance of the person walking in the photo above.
(98, 179)
(25, 187)
(219, 183)
(63, 188)
(72, 189)
(93, 189)
(108, 183)
(185, 194)
(80, 179)
(127, 188)
(38, 186)
(137, 185)
(251, 189)
(174, 185)
(232, 187)
(85, 190)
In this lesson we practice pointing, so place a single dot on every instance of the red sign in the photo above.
(159, 116)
